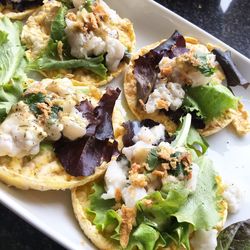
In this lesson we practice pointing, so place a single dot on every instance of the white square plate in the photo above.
(51, 212)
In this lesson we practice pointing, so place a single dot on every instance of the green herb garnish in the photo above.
(54, 112)
(204, 67)
(58, 25)
(88, 5)
(32, 100)
(153, 160)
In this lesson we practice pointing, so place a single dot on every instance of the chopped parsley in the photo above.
(206, 70)
(32, 100)
(88, 5)
(54, 112)
(177, 166)
(153, 160)
(35, 98)
(204, 67)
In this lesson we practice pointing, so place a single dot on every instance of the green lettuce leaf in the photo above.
(3, 37)
(11, 51)
(91, 64)
(49, 58)
(196, 142)
(179, 235)
(213, 100)
(67, 3)
(153, 160)
(105, 218)
(187, 136)
(182, 132)
(88, 5)
(10, 93)
(145, 237)
(12, 65)
(190, 106)
(58, 25)
(164, 204)
(201, 209)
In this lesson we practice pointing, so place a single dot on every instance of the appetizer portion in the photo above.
(18, 9)
(57, 135)
(161, 192)
(84, 39)
(171, 78)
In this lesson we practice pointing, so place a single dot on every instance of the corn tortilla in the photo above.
(238, 118)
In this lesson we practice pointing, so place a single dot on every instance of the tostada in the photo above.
(86, 40)
(177, 76)
(57, 135)
(160, 193)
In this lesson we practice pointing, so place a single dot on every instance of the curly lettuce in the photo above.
(105, 218)
(212, 100)
(201, 208)
(145, 237)
(173, 213)
(12, 65)
(167, 216)
(187, 136)
(11, 50)
(10, 93)
(164, 204)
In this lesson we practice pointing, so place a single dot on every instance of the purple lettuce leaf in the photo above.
(233, 75)
(100, 118)
(87, 110)
(82, 156)
(146, 67)
(104, 112)
(133, 127)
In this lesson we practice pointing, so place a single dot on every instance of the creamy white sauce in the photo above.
(74, 125)
(111, 13)
(78, 3)
(131, 195)
(84, 44)
(204, 240)
(115, 53)
(150, 135)
(171, 93)
(115, 178)
(184, 70)
(20, 134)
(129, 152)
(234, 196)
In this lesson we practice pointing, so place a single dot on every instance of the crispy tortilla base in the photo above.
(44, 171)
(40, 22)
(238, 118)
(80, 201)
(80, 204)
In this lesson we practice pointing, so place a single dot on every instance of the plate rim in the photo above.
(9, 202)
